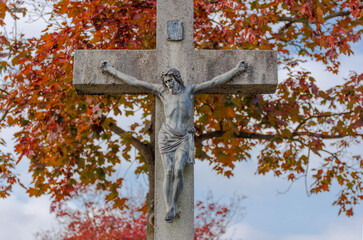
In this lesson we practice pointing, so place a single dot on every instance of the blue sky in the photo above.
(269, 216)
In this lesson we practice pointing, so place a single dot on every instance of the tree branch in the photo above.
(326, 18)
(2, 96)
(337, 14)
(318, 116)
(209, 135)
(241, 134)
(324, 136)
(143, 148)
(259, 136)
(289, 19)
(4, 115)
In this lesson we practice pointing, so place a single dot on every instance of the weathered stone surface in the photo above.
(88, 78)
(203, 65)
(175, 54)
(175, 30)
(183, 227)
(261, 76)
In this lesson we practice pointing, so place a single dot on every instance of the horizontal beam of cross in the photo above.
(261, 77)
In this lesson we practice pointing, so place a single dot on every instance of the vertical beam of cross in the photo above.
(195, 67)
(176, 54)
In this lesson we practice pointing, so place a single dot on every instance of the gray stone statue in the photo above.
(176, 136)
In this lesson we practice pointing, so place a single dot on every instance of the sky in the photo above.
(268, 215)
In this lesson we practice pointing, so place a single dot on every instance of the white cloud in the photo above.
(343, 229)
(21, 219)
(244, 231)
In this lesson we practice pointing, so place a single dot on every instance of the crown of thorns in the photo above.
(173, 72)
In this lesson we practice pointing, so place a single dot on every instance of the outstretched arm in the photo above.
(223, 78)
(107, 67)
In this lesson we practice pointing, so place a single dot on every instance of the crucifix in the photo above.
(141, 71)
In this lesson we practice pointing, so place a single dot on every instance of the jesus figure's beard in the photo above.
(175, 89)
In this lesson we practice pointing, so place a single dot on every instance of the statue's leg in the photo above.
(168, 163)
(180, 161)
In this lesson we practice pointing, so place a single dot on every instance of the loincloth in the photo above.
(170, 141)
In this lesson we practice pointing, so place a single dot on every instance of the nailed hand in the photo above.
(242, 66)
(105, 66)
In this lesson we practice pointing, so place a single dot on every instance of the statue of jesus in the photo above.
(176, 136)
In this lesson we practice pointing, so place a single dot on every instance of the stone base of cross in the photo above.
(174, 49)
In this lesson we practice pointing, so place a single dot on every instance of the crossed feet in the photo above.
(171, 214)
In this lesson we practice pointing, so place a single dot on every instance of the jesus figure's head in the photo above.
(172, 80)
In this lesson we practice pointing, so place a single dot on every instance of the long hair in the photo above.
(173, 72)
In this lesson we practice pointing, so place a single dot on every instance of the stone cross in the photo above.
(174, 48)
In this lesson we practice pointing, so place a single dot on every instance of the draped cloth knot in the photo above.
(171, 140)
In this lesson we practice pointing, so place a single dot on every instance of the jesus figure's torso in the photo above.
(179, 109)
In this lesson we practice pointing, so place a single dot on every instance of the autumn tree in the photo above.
(70, 138)
(85, 215)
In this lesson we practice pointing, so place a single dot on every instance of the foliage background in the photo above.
(312, 218)
(292, 216)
